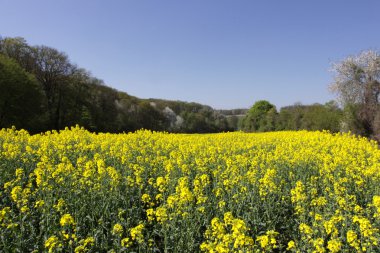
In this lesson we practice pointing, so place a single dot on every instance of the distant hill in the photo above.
(70, 95)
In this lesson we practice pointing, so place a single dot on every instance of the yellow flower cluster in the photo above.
(137, 233)
(67, 220)
(117, 230)
(76, 191)
(222, 236)
(52, 243)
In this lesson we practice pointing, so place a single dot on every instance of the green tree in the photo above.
(20, 97)
(260, 117)
(149, 117)
(18, 49)
(53, 70)
(65, 87)
(310, 117)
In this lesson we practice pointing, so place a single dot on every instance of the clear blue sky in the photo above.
(227, 54)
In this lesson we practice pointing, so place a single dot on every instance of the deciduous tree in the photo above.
(261, 117)
(20, 97)
(357, 84)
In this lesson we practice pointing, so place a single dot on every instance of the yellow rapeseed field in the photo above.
(76, 191)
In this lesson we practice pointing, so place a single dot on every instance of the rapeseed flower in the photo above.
(150, 191)
(67, 220)
(117, 229)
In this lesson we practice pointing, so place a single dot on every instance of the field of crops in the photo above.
(75, 191)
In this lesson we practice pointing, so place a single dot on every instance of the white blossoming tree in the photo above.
(357, 85)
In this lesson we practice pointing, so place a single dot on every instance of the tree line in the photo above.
(41, 89)
(263, 117)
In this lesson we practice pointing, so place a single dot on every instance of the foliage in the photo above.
(75, 191)
(310, 117)
(260, 118)
(263, 117)
(21, 98)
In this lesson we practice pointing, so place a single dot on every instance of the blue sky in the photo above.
(227, 54)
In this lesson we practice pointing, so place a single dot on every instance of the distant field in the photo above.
(75, 191)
